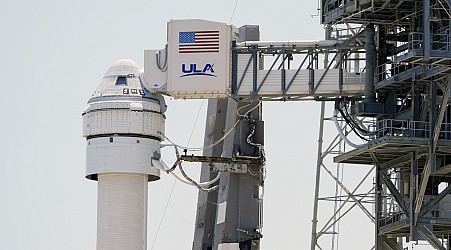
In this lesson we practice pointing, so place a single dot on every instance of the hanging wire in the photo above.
(173, 208)
(173, 184)
(164, 213)
(204, 187)
(243, 116)
(201, 148)
(195, 122)
(233, 13)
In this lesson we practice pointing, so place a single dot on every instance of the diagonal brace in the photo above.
(364, 209)
(325, 72)
(328, 225)
(392, 244)
(424, 181)
(430, 238)
(443, 106)
(431, 204)
(396, 195)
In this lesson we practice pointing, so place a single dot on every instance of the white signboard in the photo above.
(199, 59)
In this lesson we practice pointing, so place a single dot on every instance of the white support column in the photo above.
(122, 212)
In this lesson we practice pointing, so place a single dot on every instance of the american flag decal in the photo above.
(199, 41)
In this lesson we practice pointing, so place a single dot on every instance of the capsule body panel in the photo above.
(123, 125)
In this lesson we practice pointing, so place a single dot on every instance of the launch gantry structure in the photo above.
(385, 66)
(410, 137)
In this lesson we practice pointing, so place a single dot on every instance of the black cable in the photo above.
(157, 57)
(348, 117)
(353, 129)
(352, 124)
(357, 126)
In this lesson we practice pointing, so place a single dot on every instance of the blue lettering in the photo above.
(194, 70)
(187, 71)
(208, 67)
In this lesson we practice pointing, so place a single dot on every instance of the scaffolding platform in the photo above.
(393, 142)
(399, 225)
(440, 49)
(400, 76)
(364, 11)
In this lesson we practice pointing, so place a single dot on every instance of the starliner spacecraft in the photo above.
(123, 126)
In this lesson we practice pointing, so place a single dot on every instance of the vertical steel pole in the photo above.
(379, 244)
(319, 162)
(432, 121)
(234, 82)
(413, 195)
(427, 29)
(370, 48)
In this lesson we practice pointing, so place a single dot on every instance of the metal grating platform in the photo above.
(393, 141)
(363, 11)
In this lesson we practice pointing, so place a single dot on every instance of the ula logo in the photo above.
(194, 70)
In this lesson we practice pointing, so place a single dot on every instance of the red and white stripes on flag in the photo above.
(203, 41)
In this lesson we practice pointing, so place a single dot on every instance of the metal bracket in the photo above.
(239, 165)
(229, 167)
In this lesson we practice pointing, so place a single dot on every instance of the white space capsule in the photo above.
(123, 125)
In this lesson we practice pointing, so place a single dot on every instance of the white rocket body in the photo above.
(123, 125)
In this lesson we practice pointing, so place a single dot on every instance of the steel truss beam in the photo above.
(412, 82)
(340, 53)
(342, 209)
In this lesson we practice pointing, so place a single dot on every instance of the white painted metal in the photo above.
(297, 43)
(229, 246)
(122, 67)
(204, 73)
(122, 212)
(122, 155)
(207, 83)
(123, 125)
(353, 82)
(119, 104)
(189, 75)
(130, 120)
(221, 213)
(155, 69)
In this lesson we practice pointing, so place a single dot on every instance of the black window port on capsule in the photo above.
(121, 80)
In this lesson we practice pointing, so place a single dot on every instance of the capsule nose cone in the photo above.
(126, 62)
(123, 79)
(123, 67)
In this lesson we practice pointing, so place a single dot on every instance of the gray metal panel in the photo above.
(206, 202)
(249, 33)
(238, 192)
